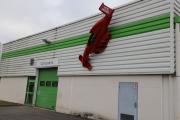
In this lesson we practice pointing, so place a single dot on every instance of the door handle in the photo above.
(135, 105)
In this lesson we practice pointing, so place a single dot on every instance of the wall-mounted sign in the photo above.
(46, 63)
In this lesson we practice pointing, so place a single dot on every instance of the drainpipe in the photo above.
(177, 71)
(0, 51)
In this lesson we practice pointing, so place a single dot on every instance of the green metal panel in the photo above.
(177, 19)
(133, 28)
(47, 88)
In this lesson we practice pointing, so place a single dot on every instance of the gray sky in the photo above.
(20, 18)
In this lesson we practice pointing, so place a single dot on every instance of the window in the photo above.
(29, 98)
(32, 78)
(31, 87)
(42, 83)
(55, 84)
(48, 83)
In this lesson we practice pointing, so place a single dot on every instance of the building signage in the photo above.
(46, 63)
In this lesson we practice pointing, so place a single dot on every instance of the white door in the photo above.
(128, 101)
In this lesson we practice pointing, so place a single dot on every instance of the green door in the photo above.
(47, 88)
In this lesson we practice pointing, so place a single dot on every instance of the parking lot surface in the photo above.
(31, 113)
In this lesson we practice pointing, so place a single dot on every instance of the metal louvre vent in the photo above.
(127, 117)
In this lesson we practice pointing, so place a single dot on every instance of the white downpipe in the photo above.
(177, 104)
(0, 51)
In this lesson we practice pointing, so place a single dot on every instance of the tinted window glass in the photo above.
(32, 77)
(42, 83)
(31, 87)
(48, 83)
(54, 83)
(29, 98)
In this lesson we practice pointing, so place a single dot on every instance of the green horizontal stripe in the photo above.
(44, 48)
(140, 22)
(133, 28)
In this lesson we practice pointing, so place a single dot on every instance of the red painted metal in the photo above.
(99, 37)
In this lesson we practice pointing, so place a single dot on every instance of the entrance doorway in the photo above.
(47, 88)
(128, 101)
(30, 90)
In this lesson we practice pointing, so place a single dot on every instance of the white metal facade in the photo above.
(177, 7)
(146, 53)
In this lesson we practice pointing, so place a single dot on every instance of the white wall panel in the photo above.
(101, 94)
(177, 7)
(0, 59)
(143, 54)
(20, 66)
(13, 89)
(147, 53)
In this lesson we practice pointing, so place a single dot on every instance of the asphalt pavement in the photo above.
(31, 113)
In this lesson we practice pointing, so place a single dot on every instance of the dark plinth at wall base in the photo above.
(5, 103)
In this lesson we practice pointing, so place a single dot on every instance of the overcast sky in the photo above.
(20, 18)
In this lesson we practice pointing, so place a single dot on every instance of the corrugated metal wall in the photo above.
(177, 7)
(143, 54)
(147, 53)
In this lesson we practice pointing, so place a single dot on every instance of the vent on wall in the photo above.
(127, 117)
(32, 61)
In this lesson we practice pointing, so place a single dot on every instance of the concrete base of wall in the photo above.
(99, 95)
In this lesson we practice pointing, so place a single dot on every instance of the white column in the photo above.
(0, 50)
(177, 104)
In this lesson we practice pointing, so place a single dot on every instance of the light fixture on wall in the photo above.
(32, 61)
(46, 41)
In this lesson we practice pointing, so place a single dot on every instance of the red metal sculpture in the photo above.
(99, 37)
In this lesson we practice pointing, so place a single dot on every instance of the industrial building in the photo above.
(137, 77)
